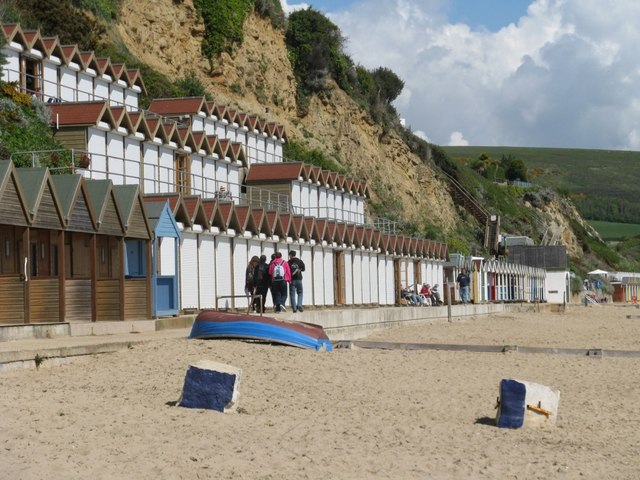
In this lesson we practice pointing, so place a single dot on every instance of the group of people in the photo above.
(427, 296)
(282, 277)
(223, 194)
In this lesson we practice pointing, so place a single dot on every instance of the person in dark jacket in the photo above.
(261, 283)
(295, 287)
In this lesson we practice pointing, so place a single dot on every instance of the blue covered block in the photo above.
(512, 404)
(210, 385)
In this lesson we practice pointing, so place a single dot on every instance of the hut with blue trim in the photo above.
(165, 266)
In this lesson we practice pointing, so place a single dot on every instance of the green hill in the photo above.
(603, 184)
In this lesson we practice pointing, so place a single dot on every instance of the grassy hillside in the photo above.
(615, 231)
(602, 183)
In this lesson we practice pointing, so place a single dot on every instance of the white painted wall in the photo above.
(207, 271)
(223, 269)
(348, 276)
(96, 145)
(240, 262)
(329, 297)
(556, 285)
(132, 155)
(357, 277)
(115, 159)
(319, 276)
(189, 285)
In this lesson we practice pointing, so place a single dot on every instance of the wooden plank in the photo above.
(108, 300)
(78, 296)
(135, 299)
(44, 298)
(12, 299)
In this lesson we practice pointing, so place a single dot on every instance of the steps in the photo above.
(491, 222)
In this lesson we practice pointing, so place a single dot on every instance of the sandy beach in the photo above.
(347, 414)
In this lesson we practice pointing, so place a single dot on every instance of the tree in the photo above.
(223, 21)
(517, 170)
(315, 46)
(388, 83)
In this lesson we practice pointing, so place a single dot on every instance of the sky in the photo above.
(530, 73)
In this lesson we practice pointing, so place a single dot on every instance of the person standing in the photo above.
(280, 278)
(296, 266)
(261, 283)
(249, 286)
(464, 282)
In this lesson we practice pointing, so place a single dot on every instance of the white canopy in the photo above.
(598, 272)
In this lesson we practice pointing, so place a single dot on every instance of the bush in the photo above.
(223, 22)
(297, 152)
(271, 9)
(190, 86)
(63, 18)
(24, 128)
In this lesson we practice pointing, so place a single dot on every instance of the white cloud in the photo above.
(565, 75)
(293, 7)
(456, 139)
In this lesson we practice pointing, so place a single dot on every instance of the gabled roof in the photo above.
(105, 207)
(332, 231)
(217, 110)
(223, 147)
(13, 207)
(281, 132)
(34, 41)
(40, 198)
(359, 237)
(13, 33)
(74, 202)
(160, 219)
(299, 224)
(288, 226)
(260, 219)
(245, 219)
(71, 54)
(262, 124)
(176, 204)
(196, 211)
(53, 47)
(186, 138)
(341, 233)
(230, 115)
(80, 114)
(89, 61)
(135, 78)
(350, 234)
(241, 119)
(105, 67)
(153, 123)
(252, 122)
(227, 209)
(391, 246)
(312, 228)
(376, 239)
(274, 172)
(237, 153)
(199, 142)
(119, 69)
(179, 106)
(271, 129)
(213, 213)
(131, 207)
(275, 224)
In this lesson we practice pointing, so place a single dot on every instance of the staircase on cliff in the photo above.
(491, 222)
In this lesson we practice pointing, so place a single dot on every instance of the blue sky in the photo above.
(478, 14)
(532, 73)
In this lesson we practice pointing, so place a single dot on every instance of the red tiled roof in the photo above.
(268, 172)
(243, 214)
(177, 106)
(77, 114)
